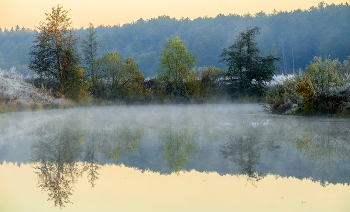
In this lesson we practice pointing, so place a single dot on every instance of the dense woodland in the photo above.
(296, 37)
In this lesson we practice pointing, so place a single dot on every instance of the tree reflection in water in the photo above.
(245, 153)
(91, 165)
(325, 144)
(178, 134)
(71, 146)
(54, 158)
(246, 141)
(121, 137)
(177, 146)
(66, 150)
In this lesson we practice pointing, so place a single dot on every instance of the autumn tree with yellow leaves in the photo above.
(54, 54)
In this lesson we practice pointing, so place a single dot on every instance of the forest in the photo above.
(165, 60)
(294, 36)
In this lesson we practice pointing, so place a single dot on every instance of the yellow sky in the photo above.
(29, 13)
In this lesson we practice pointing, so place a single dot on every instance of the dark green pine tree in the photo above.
(248, 71)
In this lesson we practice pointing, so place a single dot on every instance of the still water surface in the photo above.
(173, 158)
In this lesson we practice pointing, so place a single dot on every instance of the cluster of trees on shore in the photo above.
(60, 65)
(76, 68)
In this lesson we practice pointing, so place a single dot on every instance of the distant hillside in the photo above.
(295, 36)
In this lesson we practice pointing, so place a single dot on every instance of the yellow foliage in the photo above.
(306, 89)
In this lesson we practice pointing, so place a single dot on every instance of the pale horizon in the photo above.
(29, 13)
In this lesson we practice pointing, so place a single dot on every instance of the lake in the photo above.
(218, 157)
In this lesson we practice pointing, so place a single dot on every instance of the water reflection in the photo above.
(54, 159)
(65, 142)
(326, 144)
(246, 141)
(91, 165)
(68, 145)
(178, 144)
(119, 138)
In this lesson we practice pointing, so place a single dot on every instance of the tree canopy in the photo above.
(115, 77)
(176, 61)
(247, 70)
(54, 53)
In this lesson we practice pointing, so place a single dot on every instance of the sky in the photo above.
(29, 13)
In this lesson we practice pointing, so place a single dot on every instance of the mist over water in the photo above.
(61, 146)
(178, 134)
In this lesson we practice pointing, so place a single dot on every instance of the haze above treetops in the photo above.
(109, 13)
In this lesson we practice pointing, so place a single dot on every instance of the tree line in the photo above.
(295, 36)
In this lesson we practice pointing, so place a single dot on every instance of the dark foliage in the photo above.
(247, 70)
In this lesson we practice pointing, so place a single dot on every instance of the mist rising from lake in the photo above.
(228, 139)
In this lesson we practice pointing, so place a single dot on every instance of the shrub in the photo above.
(323, 88)
(211, 82)
(283, 97)
(324, 75)
(306, 89)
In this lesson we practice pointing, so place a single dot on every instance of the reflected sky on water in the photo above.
(192, 153)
